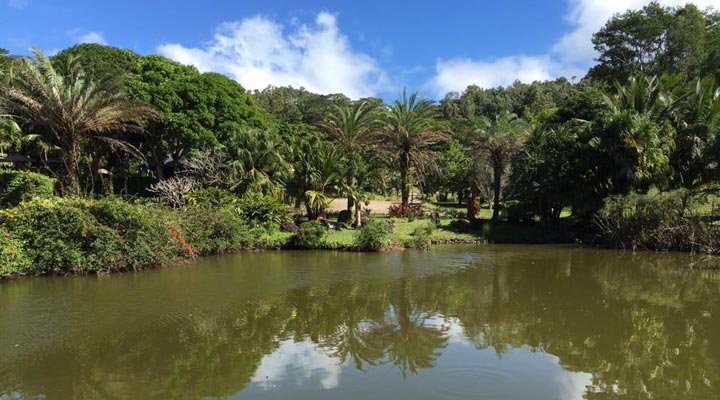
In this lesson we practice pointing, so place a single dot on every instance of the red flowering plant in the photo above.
(177, 239)
(410, 210)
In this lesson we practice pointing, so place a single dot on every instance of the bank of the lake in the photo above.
(58, 236)
(455, 322)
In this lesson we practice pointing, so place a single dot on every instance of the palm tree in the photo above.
(9, 132)
(257, 161)
(411, 130)
(497, 141)
(71, 110)
(697, 136)
(640, 112)
(351, 128)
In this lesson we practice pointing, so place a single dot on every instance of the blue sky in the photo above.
(360, 48)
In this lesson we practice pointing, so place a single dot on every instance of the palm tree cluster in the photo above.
(65, 109)
(497, 145)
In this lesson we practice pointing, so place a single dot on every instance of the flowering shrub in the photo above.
(61, 236)
(78, 236)
(410, 211)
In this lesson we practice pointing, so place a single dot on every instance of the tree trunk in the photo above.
(72, 165)
(473, 204)
(358, 215)
(497, 181)
(350, 202)
(405, 195)
(159, 167)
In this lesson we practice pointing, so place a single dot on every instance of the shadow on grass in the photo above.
(512, 232)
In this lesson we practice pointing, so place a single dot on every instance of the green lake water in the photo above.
(460, 322)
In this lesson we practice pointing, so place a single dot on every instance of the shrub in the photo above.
(372, 236)
(658, 221)
(217, 230)
(17, 186)
(146, 231)
(459, 225)
(13, 260)
(421, 236)
(211, 198)
(260, 209)
(76, 236)
(517, 212)
(310, 235)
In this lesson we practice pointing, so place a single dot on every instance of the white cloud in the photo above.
(456, 74)
(297, 362)
(80, 36)
(572, 54)
(92, 37)
(257, 53)
(19, 4)
(588, 16)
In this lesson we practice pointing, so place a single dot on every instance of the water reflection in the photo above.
(476, 322)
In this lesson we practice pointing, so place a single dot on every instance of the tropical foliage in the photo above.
(98, 121)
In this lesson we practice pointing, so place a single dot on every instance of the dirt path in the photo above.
(376, 206)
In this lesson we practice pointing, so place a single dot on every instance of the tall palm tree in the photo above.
(411, 130)
(71, 110)
(497, 141)
(351, 128)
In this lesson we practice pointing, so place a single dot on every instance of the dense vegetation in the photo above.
(627, 156)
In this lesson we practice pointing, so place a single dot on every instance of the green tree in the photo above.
(289, 105)
(411, 130)
(638, 135)
(350, 128)
(693, 159)
(656, 40)
(72, 110)
(497, 141)
(198, 111)
(257, 160)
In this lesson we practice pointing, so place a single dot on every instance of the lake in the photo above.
(455, 322)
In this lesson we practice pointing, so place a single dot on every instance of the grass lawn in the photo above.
(500, 232)
(403, 232)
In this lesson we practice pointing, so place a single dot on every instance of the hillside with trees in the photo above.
(114, 160)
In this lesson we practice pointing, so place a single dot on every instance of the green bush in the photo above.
(372, 236)
(658, 221)
(310, 235)
(147, 232)
(211, 198)
(421, 236)
(263, 210)
(217, 230)
(77, 236)
(12, 255)
(17, 186)
(515, 211)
